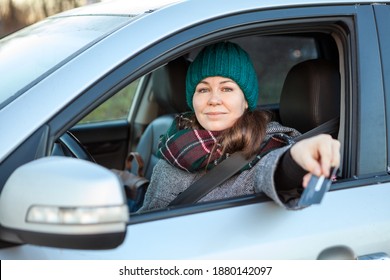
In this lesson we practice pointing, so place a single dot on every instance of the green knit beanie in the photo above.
(226, 60)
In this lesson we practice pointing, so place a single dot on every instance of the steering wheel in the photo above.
(68, 145)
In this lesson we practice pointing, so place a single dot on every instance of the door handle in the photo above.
(337, 253)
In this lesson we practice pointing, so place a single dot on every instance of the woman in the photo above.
(222, 92)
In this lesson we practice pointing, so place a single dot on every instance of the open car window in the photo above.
(153, 95)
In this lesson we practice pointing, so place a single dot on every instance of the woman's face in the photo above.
(218, 102)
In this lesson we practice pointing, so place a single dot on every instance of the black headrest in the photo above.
(310, 95)
(169, 86)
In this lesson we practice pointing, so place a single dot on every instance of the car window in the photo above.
(273, 57)
(64, 35)
(116, 108)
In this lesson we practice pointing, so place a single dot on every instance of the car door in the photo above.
(254, 227)
(351, 222)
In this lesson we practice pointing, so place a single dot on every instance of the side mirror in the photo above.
(63, 202)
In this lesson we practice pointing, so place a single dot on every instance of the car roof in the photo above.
(119, 7)
(131, 8)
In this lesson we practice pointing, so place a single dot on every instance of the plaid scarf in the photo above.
(193, 150)
(190, 149)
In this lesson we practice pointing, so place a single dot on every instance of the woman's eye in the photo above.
(227, 89)
(201, 90)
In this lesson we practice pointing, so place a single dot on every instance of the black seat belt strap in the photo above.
(330, 127)
(212, 179)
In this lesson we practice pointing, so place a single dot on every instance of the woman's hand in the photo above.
(316, 155)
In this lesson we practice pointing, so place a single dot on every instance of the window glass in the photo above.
(116, 108)
(49, 43)
(273, 56)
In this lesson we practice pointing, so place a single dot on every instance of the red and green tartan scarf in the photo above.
(193, 150)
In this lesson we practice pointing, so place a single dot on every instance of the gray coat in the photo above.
(168, 181)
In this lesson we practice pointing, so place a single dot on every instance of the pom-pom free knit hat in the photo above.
(226, 60)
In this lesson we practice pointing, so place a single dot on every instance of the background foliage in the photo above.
(15, 14)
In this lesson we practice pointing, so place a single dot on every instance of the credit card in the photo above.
(316, 189)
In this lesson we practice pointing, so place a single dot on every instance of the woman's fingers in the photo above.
(317, 154)
(306, 180)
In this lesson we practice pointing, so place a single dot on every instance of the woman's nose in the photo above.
(215, 98)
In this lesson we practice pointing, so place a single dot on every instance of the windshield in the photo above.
(31, 52)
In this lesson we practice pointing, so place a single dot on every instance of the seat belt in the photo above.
(330, 127)
(235, 163)
(212, 179)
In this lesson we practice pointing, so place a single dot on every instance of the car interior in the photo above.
(309, 98)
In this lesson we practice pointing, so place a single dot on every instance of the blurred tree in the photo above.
(9, 17)
(15, 14)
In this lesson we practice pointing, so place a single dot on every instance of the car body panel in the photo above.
(257, 231)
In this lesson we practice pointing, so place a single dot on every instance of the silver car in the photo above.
(82, 89)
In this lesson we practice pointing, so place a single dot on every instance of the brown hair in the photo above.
(245, 135)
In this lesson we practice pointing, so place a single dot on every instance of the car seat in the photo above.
(310, 95)
(168, 86)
